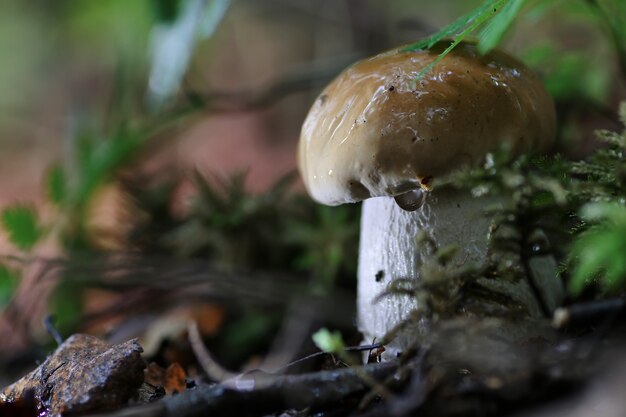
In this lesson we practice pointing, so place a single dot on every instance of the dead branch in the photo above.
(590, 313)
(265, 393)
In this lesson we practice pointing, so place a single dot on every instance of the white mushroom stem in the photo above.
(388, 251)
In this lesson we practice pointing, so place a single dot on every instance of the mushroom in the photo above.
(376, 133)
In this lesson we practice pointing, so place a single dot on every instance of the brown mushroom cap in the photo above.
(374, 131)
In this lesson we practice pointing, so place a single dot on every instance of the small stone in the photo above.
(83, 374)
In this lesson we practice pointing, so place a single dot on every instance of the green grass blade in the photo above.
(491, 35)
(477, 22)
(457, 26)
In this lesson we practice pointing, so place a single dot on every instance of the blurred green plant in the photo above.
(21, 224)
(275, 230)
(56, 185)
(570, 76)
(107, 139)
(229, 225)
(8, 282)
(602, 176)
(98, 150)
(117, 29)
(328, 243)
(599, 253)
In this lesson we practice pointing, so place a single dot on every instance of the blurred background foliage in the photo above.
(167, 129)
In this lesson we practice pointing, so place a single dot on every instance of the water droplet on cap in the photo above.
(411, 200)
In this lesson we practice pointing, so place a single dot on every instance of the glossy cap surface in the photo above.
(374, 131)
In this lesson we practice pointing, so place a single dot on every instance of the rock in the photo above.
(83, 374)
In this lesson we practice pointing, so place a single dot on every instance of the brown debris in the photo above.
(173, 379)
(84, 373)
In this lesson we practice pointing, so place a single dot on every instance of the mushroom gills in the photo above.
(411, 200)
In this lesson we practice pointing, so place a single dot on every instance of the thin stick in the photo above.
(589, 313)
(209, 365)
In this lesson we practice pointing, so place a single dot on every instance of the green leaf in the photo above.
(473, 21)
(453, 29)
(56, 185)
(20, 222)
(327, 341)
(591, 256)
(599, 252)
(491, 35)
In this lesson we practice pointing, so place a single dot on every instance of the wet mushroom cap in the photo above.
(375, 131)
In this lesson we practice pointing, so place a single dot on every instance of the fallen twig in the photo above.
(264, 395)
(589, 313)
(209, 365)
(218, 373)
